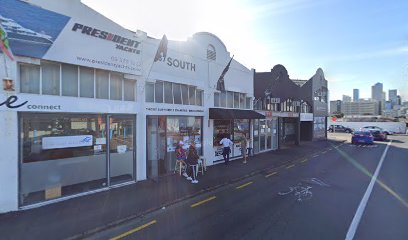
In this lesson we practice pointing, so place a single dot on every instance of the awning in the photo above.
(222, 113)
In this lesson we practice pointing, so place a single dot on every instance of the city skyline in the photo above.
(356, 47)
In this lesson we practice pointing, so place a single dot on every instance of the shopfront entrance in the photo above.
(265, 135)
(162, 135)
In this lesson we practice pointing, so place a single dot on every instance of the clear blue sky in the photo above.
(356, 43)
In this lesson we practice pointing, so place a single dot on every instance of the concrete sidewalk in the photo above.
(78, 217)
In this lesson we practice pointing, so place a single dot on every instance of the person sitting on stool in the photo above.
(192, 161)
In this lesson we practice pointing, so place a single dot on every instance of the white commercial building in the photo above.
(84, 107)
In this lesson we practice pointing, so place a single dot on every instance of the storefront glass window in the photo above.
(69, 80)
(116, 86)
(223, 99)
(184, 94)
(50, 78)
(192, 95)
(256, 136)
(216, 99)
(158, 92)
(102, 84)
(163, 135)
(129, 90)
(236, 100)
(230, 99)
(168, 93)
(248, 103)
(177, 93)
(30, 78)
(242, 100)
(199, 97)
(149, 92)
(66, 154)
(86, 82)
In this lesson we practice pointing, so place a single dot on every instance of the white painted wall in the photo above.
(397, 127)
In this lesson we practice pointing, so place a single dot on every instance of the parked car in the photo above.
(379, 135)
(339, 128)
(364, 137)
(375, 128)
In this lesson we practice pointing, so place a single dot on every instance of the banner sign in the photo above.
(67, 141)
(39, 33)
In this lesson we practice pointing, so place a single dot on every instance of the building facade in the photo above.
(86, 105)
(299, 107)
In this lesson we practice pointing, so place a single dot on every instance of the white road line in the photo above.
(360, 210)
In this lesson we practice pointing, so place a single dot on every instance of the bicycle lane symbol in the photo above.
(302, 193)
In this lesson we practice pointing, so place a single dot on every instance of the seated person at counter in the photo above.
(181, 156)
(192, 162)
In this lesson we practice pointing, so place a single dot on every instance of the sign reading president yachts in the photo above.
(122, 43)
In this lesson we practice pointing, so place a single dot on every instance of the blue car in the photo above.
(363, 137)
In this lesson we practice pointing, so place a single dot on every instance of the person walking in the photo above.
(226, 143)
(244, 143)
(192, 161)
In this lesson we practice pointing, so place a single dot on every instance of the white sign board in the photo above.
(67, 142)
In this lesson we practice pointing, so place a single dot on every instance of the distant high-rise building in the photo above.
(362, 107)
(399, 100)
(392, 96)
(346, 98)
(377, 92)
(356, 95)
(335, 107)
(377, 95)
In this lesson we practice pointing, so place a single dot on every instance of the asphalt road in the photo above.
(339, 203)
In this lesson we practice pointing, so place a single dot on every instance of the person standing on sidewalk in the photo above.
(244, 143)
(192, 161)
(226, 143)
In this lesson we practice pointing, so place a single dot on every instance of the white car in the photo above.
(372, 128)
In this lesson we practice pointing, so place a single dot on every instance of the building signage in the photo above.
(12, 102)
(270, 114)
(122, 43)
(67, 142)
(178, 63)
(306, 117)
(175, 110)
(70, 40)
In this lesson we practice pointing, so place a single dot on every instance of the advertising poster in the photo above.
(40, 33)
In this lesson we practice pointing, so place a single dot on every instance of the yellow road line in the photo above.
(204, 201)
(244, 185)
(271, 174)
(304, 160)
(290, 166)
(134, 230)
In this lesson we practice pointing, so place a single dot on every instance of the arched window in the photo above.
(211, 53)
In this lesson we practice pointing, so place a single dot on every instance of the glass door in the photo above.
(262, 135)
(275, 134)
(269, 134)
(122, 148)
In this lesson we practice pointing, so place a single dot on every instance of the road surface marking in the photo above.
(360, 210)
(271, 174)
(134, 230)
(204, 201)
(315, 155)
(244, 185)
(324, 152)
(290, 166)
(304, 160)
